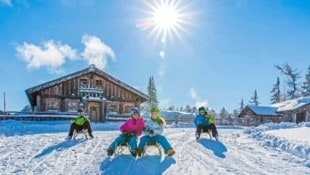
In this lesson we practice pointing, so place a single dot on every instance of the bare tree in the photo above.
(292, 76)
(305, 88)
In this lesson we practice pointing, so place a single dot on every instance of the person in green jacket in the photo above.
(79, 123)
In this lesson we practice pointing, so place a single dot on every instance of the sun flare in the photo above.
(165, 19)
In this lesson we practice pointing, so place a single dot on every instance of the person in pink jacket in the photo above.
(131, 129)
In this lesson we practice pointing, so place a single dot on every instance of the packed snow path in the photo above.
(235, 153)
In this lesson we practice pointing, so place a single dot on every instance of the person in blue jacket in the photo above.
(153, 132)
(205, 121)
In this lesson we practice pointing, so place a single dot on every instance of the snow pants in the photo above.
(122, 138)
(205, 128)
(157, 138)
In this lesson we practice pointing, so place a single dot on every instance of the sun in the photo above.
(165, 19)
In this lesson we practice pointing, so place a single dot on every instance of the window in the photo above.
(98, 83)
(83, 82)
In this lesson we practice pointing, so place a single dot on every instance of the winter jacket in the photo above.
(155, 127)
(134, 126)
(204, 120)
(80, 120)
(211, 118)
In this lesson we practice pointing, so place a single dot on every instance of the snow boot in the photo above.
(134, 153)
(110, 151)
(139, 152)
(197, 135)
(170, 152)
(216, 137)
(69, 138)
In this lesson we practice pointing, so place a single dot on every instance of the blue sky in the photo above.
(217, 52)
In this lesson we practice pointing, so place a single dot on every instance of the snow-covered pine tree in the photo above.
(276, 93)
(188, 108)
(223, 113)
(241, 105)
(151, 90)
(292, 76)
(254, 99)
(171, 108)
(305, 88)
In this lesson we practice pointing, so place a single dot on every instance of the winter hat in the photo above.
(154, 109)
(134, 111)
(80, 110)
(202, 109)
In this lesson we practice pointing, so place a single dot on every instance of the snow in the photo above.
(292, 104)
(263, 110)
(40, 148)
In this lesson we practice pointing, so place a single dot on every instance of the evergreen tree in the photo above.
(151, 90)
(241, 105)
(188, 108)
(254, 99)
(194, 109)
(306, 85)
(171, 108)
(223, 113)
(292, 76)
(276, 93)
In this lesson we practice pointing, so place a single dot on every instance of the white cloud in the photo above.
(96, 52)
(193, 93)
(198, 101)
(6, 2)
(51, 55)
(201, 103)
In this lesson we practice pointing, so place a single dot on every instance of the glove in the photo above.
(151, 131)
(128, 134)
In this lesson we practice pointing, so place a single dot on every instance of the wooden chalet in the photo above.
(295, 110)
(98, 93)
(256, 115)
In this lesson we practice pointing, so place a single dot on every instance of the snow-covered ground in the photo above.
(40, 148)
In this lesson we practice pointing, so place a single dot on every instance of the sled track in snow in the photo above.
(235, 154)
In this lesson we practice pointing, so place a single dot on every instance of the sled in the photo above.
(120, 149)
(80, 132)
(202, 133)
(149, 145)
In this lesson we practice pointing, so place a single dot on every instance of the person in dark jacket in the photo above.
(204, 122)
(79, 123)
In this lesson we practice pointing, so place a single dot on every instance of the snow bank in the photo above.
(290, 137)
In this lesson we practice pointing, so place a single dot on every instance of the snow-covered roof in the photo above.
(293, 104)
(263, 110)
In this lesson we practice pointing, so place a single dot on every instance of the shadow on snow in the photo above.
(59, 147)
(127, 165)
(217, 147)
